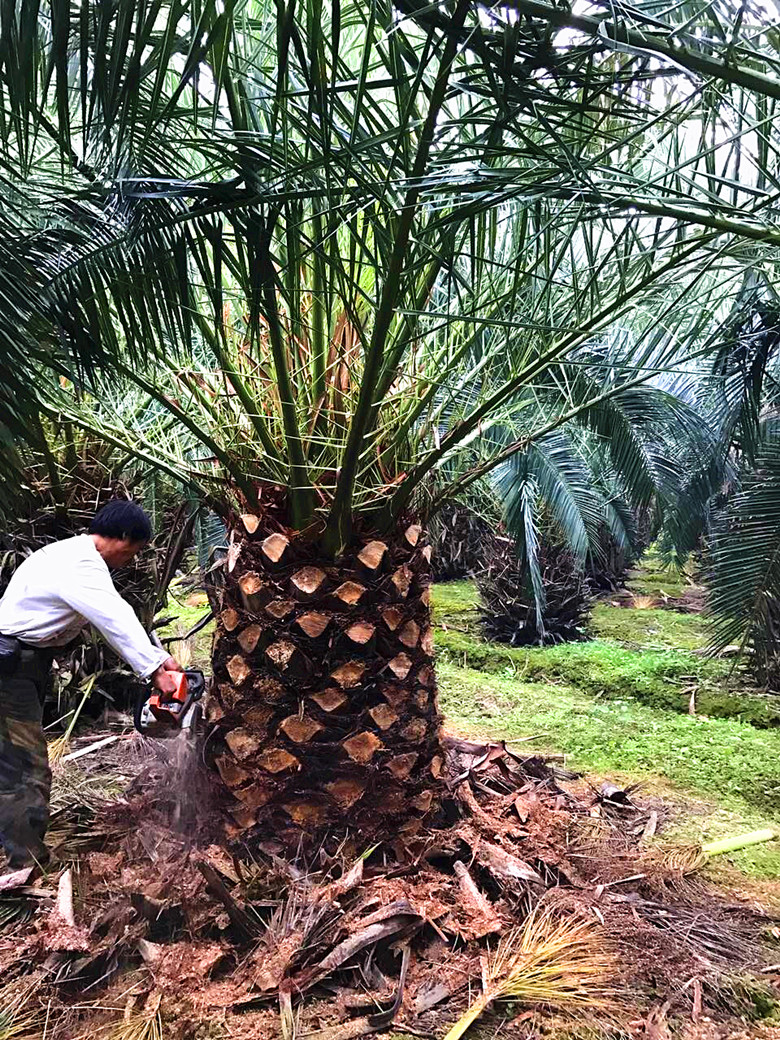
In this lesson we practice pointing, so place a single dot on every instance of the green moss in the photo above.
(601, 668)
(652, 578)
(456, 604)
(753, 999)
(454, 597)
(715, 760)
(654, 628)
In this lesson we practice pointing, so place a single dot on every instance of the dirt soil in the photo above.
(175, 928)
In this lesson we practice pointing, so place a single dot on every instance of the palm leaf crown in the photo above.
(341, 244)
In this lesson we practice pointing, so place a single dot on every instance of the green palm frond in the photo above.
(746, 352)
(302, 237)
(563, 488)
(744, 565)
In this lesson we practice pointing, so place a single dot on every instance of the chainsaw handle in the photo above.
(190, 687)
(180, 692)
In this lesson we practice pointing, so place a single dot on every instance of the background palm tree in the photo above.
(343, 249)
(579, 491)
(726, 506)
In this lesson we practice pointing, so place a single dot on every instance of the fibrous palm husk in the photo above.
(459, 538)
(509, 611)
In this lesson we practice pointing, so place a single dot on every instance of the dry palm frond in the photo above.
(715, 935)
(78, 821)
(14, 911)
(143, 1026)
(20, 1014)
(557, 961)
(59, 748)
(688, 858)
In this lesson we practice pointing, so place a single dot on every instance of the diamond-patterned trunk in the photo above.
(324, 699)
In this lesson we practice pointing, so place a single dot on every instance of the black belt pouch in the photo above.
(10, 654)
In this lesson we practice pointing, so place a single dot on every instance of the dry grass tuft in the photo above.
(60, 747)
(143, 1026)
(639, 602)
(21, 1017)
(555, 961)
(184, 649)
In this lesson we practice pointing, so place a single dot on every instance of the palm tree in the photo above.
(728, 502)
(579, 489)
(335, 243)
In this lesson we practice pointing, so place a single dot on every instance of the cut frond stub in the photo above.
(688, 858)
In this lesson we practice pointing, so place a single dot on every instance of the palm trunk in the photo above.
(325, 699)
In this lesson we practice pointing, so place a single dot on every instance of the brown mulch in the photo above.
(171, 922)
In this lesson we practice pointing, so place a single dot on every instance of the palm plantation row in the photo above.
(330, 268)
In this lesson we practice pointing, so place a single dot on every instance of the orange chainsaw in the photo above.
(166, 714)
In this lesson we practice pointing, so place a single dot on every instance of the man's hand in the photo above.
(164, 679)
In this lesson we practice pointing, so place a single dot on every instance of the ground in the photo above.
(641, 705)
(618, 705)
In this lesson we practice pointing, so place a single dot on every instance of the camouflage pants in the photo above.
(25, 777)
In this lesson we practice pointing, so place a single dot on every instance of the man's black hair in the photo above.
(122, 519)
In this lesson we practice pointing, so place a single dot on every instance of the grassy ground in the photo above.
(733, 769)
(618, 706)
(187, 610)
(649, 628)
(652, 578)
(656, 656)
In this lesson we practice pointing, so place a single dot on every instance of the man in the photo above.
(51, 597)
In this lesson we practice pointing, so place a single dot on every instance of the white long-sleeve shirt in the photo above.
(63, 587)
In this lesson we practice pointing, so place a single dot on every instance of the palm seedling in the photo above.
(341, 246)
(553, 961)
